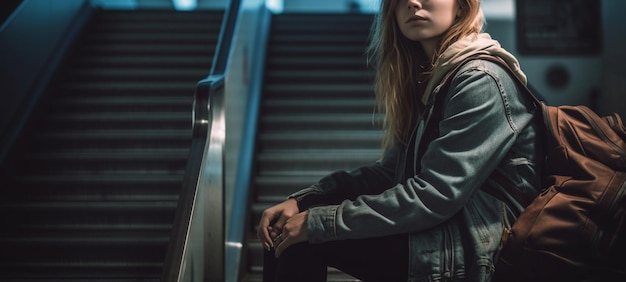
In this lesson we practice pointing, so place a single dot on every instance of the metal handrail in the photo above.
(226, 37)
(198, 230)
(204, 125)
(237, 224)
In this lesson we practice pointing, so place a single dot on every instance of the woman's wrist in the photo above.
(298, 200)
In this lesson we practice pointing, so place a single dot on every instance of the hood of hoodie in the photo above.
(457, 52)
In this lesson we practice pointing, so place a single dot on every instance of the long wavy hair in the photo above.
(402, 67)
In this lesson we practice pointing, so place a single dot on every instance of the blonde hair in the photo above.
(401, 65)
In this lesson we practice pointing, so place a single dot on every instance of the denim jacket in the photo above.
(454, 227)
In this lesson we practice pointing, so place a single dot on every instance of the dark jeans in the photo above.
(374, 259)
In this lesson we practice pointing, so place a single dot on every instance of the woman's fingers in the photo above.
(270, 227)
(273, 221)
(263, 233)
(277, 227)
(284, 241)
(294, 232)
(281, 243)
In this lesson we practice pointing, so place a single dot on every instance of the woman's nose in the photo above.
(414, 4)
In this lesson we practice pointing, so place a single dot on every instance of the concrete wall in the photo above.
(32, 43)
(585, 72)
(598, 81)
(613, 97)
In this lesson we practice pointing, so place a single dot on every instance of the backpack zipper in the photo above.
(601, 133)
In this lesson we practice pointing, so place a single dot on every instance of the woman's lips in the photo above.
(415, 18)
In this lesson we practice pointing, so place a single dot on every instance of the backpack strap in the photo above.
(432, 130)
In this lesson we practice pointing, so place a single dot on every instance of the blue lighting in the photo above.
(185, 4)
(275, 6)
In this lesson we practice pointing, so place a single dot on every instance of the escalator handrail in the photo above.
(207, 91)
(237, 223)
(226, 37)
(202, 124)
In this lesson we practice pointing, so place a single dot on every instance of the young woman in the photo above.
(410, 218)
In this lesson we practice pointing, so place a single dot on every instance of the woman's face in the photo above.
(425, 20)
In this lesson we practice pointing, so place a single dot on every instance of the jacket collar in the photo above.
(473, 44)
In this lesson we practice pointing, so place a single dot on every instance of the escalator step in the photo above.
(93, 192)
(317, 112)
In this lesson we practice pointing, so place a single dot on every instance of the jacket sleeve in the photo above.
(342, 185)
(476, 132)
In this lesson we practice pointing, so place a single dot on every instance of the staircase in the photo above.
(317, 112)
(91, 189)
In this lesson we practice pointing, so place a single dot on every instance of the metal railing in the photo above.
(257, 24)
(204, 245)
(196, 250)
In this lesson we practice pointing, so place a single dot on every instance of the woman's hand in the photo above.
(273, 220)
(294, 231)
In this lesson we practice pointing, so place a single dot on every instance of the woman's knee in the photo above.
(300, 262)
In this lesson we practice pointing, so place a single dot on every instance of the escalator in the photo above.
(316, 112)
(90, 190)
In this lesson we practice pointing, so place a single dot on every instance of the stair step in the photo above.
(325, 90)
(314, 160)
(50, 206)
(125, 154)
(317, 113)
(141, 48)
(102, 177)
(329, 105)
(316, 63)
(54, 271)
(321, 39)
(92, 194)
(121, 134)
(333, 19)
(297, 76)
(155, 37)
(179, 61)
(347, 122)
(120, 120)
(97, 161)
(28, 213)
(169, 16)
(321, 140)
(115, 102)
(275, 188)
(320, 50)
(135, 74)
(157, 27)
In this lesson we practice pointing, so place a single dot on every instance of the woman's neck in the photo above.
(430, 46)
(429, 50)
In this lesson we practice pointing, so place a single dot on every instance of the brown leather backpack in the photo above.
(574, 229)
